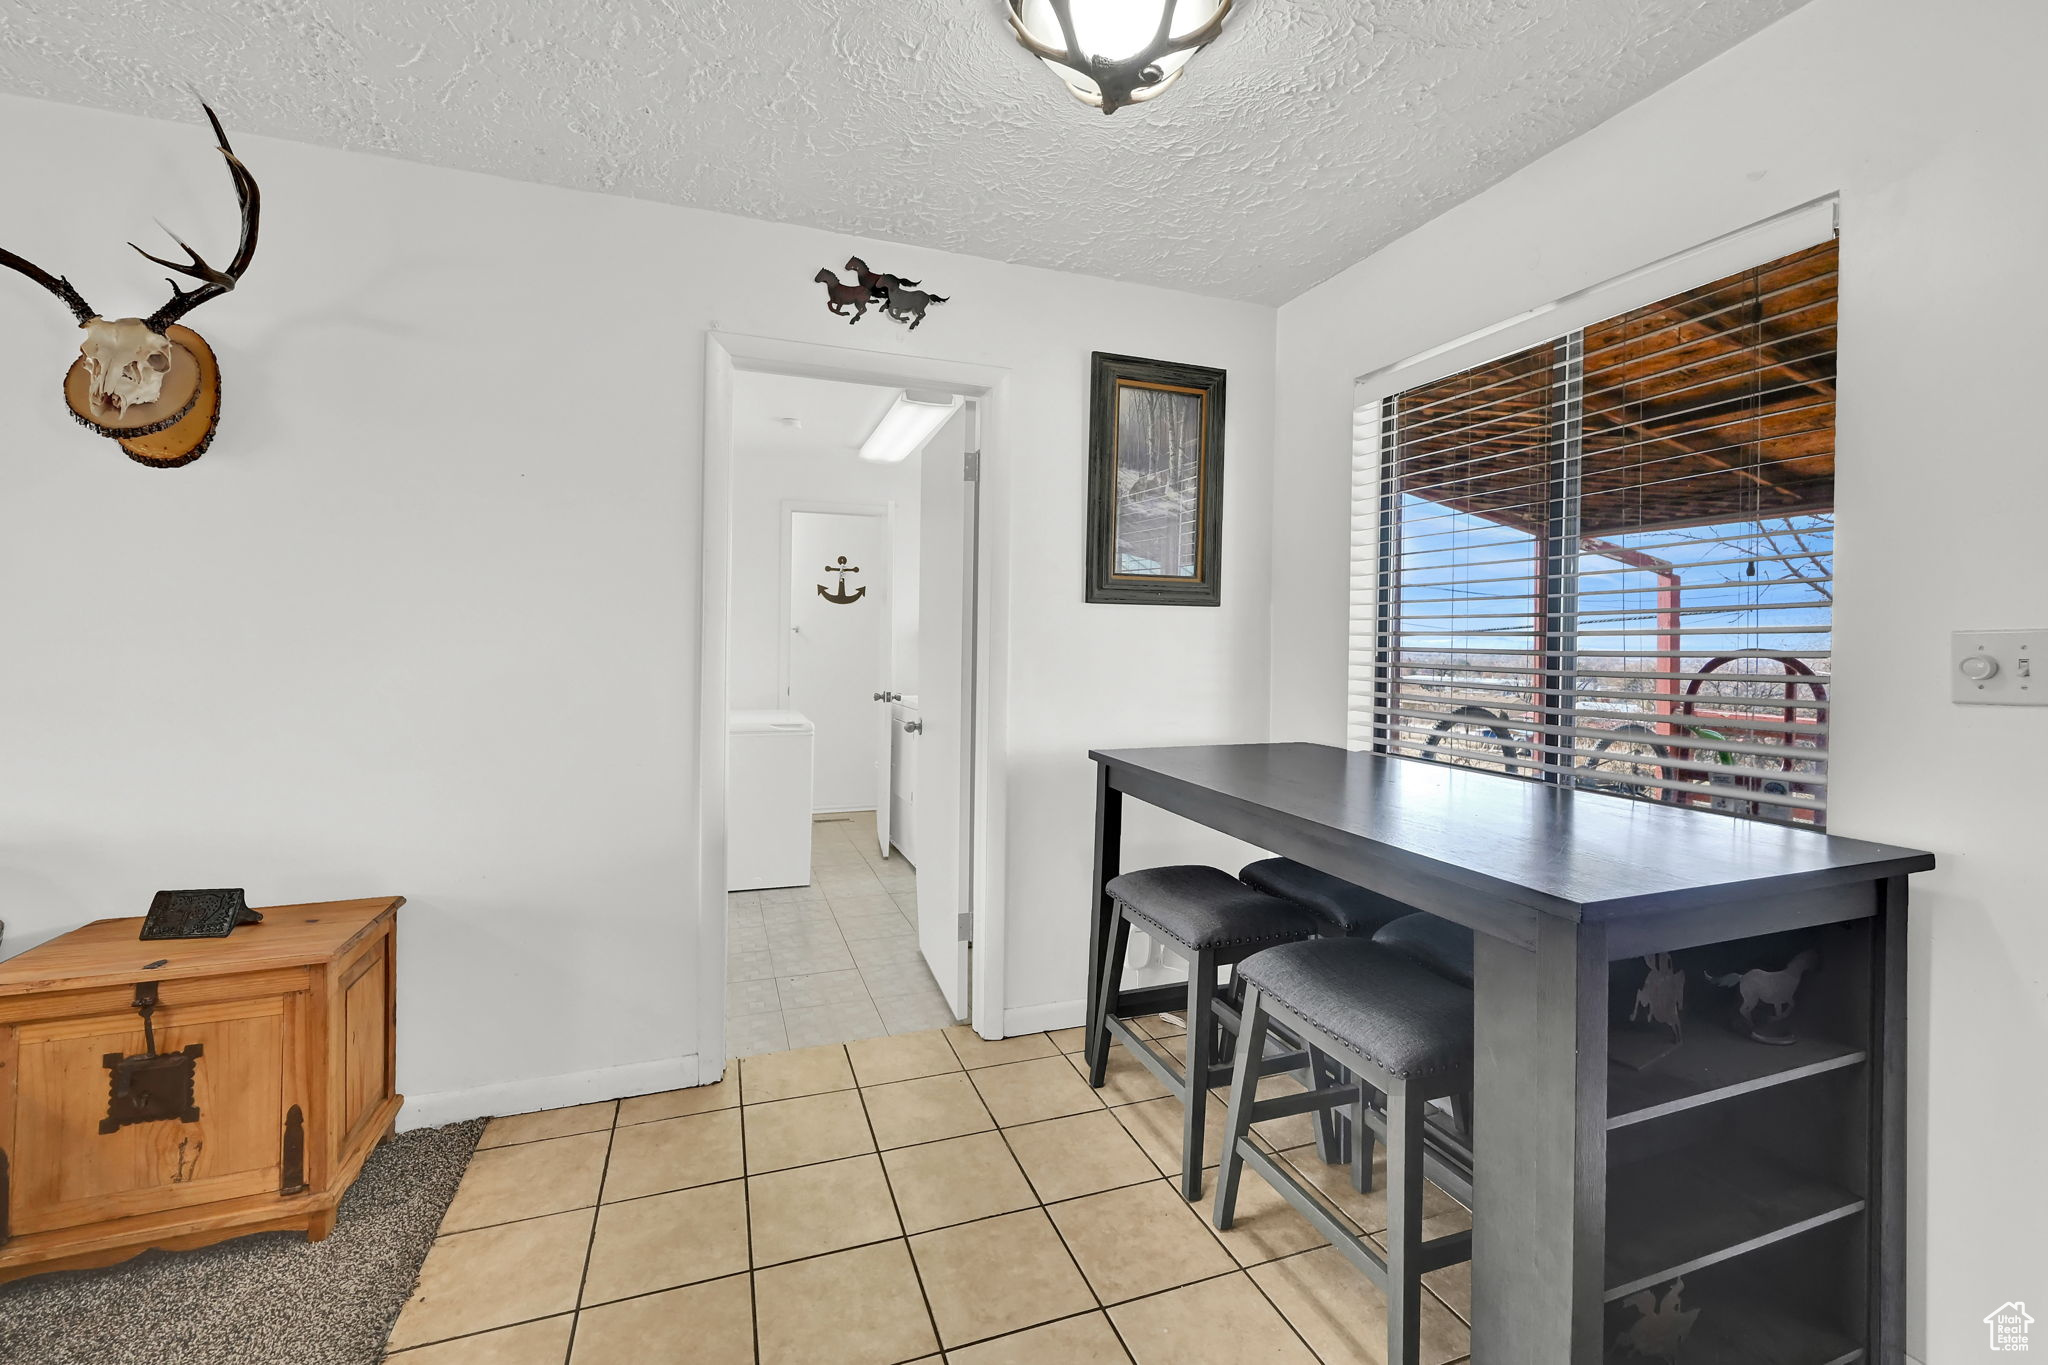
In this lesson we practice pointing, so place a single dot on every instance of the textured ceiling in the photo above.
(1314, 132)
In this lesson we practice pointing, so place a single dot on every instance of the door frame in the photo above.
(726, 353)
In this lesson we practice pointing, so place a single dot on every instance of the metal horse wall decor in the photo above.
(842, 597)
(897, 297)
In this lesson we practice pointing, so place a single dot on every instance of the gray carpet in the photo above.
(270, 1299)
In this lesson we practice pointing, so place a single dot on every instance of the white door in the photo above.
(903, 762)
(837, 647)
(945, 692)
(885, 785)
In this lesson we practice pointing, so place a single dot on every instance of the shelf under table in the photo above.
(1715, 1064)
(1755, 1335)
(1672, 1214)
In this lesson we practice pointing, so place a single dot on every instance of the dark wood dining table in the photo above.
(1559, 885)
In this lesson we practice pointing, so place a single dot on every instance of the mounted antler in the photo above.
(56, 284)
(153, 384)
(214, 283)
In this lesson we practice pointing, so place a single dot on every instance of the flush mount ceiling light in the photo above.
(908, 424)
(1116, 52)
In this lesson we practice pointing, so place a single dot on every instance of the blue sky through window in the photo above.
(1470, 583)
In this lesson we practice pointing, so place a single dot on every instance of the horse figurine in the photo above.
(908, 305)
(1773, 989)
(1661, 1327)
(839, 296)
(877, 285)
(1662, 996)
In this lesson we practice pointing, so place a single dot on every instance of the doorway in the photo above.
(872, 607)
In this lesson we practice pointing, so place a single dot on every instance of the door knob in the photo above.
(888, 696)
(913, 727)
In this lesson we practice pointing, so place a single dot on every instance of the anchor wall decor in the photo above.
(842, 597)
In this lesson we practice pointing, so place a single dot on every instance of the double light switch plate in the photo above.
(1999, 667)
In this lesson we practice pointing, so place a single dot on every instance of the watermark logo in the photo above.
(2008, 1324)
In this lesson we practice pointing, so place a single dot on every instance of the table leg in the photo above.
(1109, 837)
(1887, 1153)
(1540, 1147)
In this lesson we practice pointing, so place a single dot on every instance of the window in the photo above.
(1606, 561)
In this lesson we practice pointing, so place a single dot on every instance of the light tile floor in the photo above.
(923, 1197)
(834, 961)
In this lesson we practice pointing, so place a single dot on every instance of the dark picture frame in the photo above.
(1155, 482)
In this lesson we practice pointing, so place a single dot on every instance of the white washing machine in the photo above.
(768, 799)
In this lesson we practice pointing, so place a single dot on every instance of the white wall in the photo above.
(1930, 122)
(423, 621)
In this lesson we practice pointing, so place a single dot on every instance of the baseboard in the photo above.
(547, 1092)
(1073, 1013)
(1039, 1018)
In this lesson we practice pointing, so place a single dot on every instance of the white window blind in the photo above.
(1606, 560)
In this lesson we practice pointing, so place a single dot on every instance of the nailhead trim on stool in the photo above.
(1206, 907)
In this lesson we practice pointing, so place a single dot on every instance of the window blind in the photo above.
(1606, 561)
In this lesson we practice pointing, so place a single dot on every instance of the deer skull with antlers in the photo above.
(150, 383)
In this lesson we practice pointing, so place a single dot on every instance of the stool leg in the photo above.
(1363, 1142)
(1244, 1088)
(1461, 1114)
(1333, 1125)
(1404, 1226)
(1201, 1053)
(1113, 953)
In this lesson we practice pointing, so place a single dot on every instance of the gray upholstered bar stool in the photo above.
(1213, 920)
(1443, 946)
(1402, 1031)
(1345, 910)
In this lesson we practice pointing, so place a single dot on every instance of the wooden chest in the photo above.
(273, 1081)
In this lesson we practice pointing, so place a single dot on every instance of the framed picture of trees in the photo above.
(1155, 482)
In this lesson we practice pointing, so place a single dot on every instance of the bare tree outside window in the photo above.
(1158, 481)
